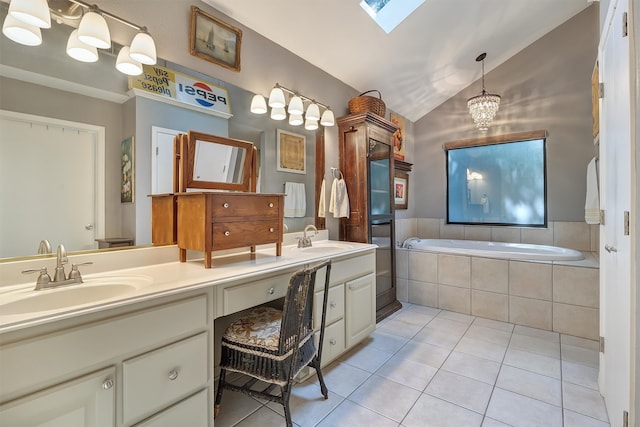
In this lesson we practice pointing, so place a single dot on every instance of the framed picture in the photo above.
(401, 189)
(213, 40)
(127, 170)
(398, 137)
(291, 152)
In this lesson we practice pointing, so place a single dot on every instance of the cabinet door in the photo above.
(88, 401)
(360, 314)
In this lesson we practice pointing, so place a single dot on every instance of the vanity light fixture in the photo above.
(296, 109)
(26, 17)
(483, 107)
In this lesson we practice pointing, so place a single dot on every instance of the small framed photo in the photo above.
(291, 152)
(214, 40)
(127, 170)
(401, 189)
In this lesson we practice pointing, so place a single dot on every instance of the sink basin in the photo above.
(323, 247)
(92, 291)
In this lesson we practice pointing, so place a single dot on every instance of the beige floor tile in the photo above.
(264, 417)
(430, 411)
(407, 372)
(438, 336)
(535, 345)
(343, 379)
(432, 311)
(573, 419)
(490, 422)
(458, 317)
(575, 373)
(534, 362)
(537, 333)
(426, 354)
(584, 401)
(448, 325)
(353, 415)
(366, 358)
(494, 324)
(234, 407)
(530, 384)
(386, 397)
(488, 334)
(414, 317)
(472, 367)
(483, 349)
(460, 390)
(517, 410)
(384, 341)
(400, 328)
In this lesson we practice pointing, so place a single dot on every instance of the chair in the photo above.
(273, 346)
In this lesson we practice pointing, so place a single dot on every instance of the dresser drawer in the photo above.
(223, 205)
(227, 235)
(334, 343)
(241, 297)
(153, 380)
(335, 305)
(192, 412)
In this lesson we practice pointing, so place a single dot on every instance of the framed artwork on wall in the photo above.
(398, 136)
(401, 189)
(291, 152)
(214, 40)
(127, 170)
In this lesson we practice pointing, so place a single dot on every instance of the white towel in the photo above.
(321, 201)
(295, 201)
(592, 202)
(339, 200)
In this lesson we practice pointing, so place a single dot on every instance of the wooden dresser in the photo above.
(216, 221)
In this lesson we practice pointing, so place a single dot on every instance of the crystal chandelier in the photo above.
(483, 107)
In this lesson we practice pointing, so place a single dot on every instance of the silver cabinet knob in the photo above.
(271, 204)
(271, 229)
(173, 374)
(227, 233)
(225, 205)
(271, 290)
(332, 341)
(610, 248)
(107, 384)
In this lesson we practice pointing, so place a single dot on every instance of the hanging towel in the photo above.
(339, 200)
(321, 201)
(295, 201)
(592, 203)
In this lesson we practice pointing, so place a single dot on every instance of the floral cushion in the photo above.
(261, 327)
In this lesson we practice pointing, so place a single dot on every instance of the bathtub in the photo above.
(519, 251)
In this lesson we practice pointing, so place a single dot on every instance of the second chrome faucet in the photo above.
(60, 278)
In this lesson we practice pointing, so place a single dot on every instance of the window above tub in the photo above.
(498, 180)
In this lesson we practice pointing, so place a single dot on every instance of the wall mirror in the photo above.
(44, 81)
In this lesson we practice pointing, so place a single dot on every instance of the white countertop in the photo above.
(158, 279)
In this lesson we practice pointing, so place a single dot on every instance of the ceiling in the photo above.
(424, 61)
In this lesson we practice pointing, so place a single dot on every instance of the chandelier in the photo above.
(483, 107)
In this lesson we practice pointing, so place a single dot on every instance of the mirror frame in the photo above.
(186, 157)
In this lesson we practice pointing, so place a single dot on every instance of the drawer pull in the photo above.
(225, 205)
(271, 204)
(271, 229)
(107, 384)
(271, 290)
(173, 374)
(227, 233)
(332, 341)
(332, 304)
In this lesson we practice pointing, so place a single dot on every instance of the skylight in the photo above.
(389, 13)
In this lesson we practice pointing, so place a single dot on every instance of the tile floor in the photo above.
(428, 367)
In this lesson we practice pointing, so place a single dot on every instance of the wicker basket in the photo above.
(362, 103)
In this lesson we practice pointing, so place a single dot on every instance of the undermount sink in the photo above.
(92, 291)
(325, 247)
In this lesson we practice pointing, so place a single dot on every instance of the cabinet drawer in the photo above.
(156, 379)
(192, 412)
(240, 297)
(334, 342)
(228, 235)
(251, 205)
(335, 305)
(352, 267)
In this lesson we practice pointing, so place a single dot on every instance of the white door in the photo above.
(162, 159)
(52, 177)
(615, 256)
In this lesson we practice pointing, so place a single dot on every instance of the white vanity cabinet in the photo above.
(111, 370)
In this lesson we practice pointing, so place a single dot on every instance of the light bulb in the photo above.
(327, 118)
(296, 119)
(276, 98)
(278, 113)
(258, 104)
(80, 51)
(310, 124)
(127, 65)
(32, 12)
(313, 112)
(296, 106)
(143, 49)
(93, 30)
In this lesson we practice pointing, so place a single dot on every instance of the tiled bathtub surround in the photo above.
(561, 296)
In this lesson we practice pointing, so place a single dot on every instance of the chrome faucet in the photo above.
(44, 247)
(304, 241)
(59, 277)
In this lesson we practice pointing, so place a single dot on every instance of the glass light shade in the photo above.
(21, 32)
(258, 104)
(296, 106)
(127, 65)
(143, 49)
(32, 12)
(310, 124)
(80, 51)
(278, 113)
(327, 118)
(313, 112)
(296, 119)
(483, 109)
(276, 98)
(93, 30)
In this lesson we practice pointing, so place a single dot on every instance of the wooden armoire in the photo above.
(366, 162)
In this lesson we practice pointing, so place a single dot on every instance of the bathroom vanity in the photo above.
(147, 357)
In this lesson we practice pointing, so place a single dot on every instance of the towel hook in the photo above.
(333, 172)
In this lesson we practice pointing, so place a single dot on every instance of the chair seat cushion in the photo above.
(260, 328)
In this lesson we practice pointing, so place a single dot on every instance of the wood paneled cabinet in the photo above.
(366, 161)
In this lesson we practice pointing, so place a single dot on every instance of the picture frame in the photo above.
(214, 40)
(401, 189)
(127, 170)
(399, 140)
(291, 152)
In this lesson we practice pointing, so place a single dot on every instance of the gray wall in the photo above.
(545, 86)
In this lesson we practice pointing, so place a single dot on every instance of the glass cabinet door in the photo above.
(379, 178)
